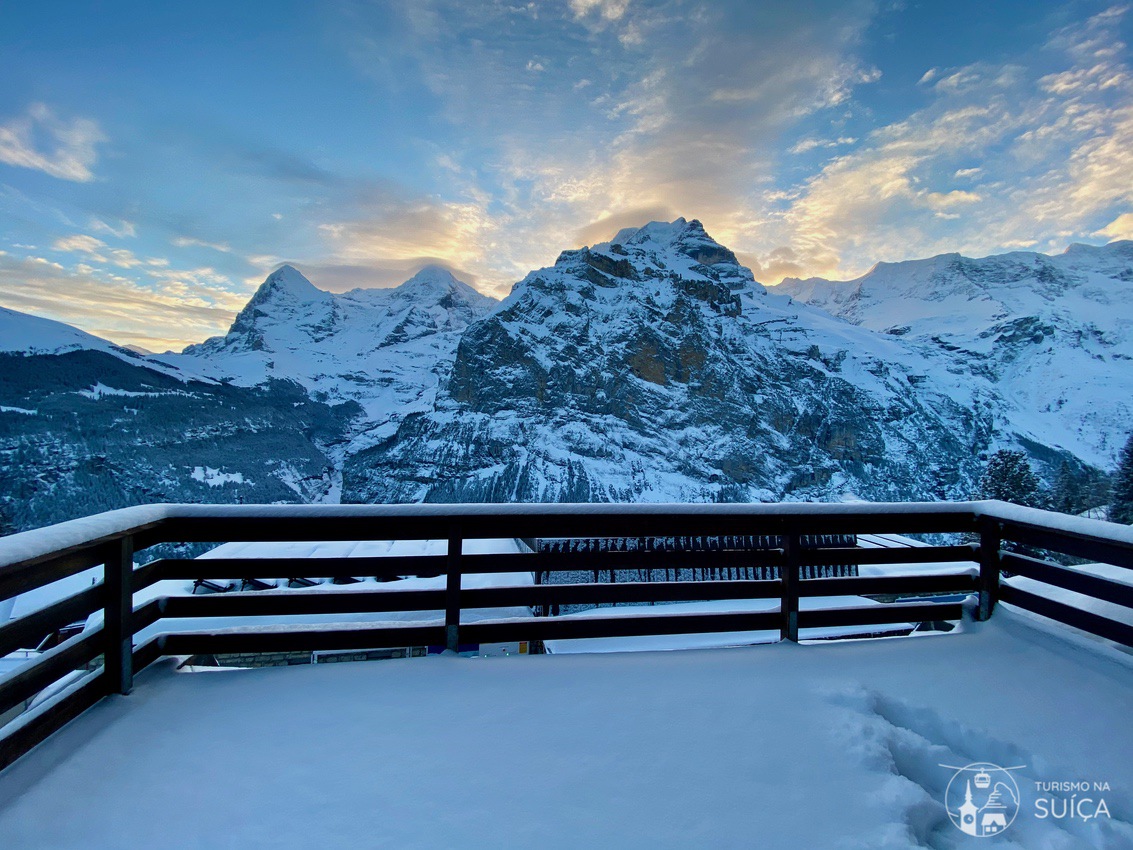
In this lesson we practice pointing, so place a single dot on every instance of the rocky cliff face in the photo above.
(1052, 335)
(654, 368)
(648, 368)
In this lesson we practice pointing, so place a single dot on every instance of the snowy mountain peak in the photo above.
(380, 349)
(289, 282)
(687, 237)
(431, 275)
(1119, 247)
(677, 250)
(436, 285)
(1046, 330)
(661, 233)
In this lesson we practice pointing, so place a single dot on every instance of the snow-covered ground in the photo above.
(786, 746)
(648, 643)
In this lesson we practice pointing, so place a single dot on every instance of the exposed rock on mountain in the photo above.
(654, 367)
(384, 349)
(1052, 334)
(648, 368)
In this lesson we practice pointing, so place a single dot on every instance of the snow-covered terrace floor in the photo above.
(781, 746)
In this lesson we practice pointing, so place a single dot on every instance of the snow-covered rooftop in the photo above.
(832, 745)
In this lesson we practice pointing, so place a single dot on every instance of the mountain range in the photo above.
(652, 367)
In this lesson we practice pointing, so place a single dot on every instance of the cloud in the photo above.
(947, 200)
(807, 145)
(99, 251)
(681, 108)
(673, 108)
(190, 242)
(41, 141)
(1120, 228)
(176, 309)
(81, 243)
(121, 230)
(1053, 154)
(610, 10)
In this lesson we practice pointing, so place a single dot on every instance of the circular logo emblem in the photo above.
(982, 799)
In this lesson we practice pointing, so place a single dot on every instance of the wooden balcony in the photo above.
(112, 655)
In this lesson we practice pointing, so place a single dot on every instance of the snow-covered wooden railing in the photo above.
(37, 558)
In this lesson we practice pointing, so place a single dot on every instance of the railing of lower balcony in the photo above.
(1000, 534)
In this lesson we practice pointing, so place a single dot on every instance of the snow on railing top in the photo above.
(39, 542)
(1063, 523)
(111, 524)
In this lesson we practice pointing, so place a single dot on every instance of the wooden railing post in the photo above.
(452, 591)
(789, 577)
(991, 539)
(118, 625)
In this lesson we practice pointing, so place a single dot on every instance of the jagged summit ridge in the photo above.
(382, 349)
(648, 368)
(654, 368)
(686, 237)
(1050, 332)
(679, 251)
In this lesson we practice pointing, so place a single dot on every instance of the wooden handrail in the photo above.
(34, 559)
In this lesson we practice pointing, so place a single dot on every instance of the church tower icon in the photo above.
(968, 813)
(996, 800)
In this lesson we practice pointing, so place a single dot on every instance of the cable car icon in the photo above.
(982, 779)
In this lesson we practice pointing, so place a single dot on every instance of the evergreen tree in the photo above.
(7, 526)
(1068, 495)
(1009, 477)
(1121, 504)
(1096, 490)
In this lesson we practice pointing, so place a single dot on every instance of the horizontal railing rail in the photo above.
(132, 636)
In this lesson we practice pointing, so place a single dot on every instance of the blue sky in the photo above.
(157, 160)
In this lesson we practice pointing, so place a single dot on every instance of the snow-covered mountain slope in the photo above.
(654, 368)
(85, 431)
(649, 368)
(265, 414)
(381, 348)
(23, 334)
(1054, 334)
